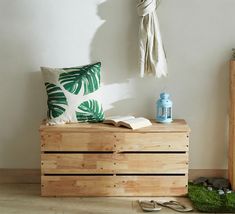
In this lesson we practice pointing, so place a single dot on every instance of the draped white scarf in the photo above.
(152, 55)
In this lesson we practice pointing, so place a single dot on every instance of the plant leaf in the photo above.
(88, 76)
(56, 100)
(91, 111)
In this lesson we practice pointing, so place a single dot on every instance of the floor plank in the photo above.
(26, 199)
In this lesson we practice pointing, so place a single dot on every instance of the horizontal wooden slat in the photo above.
(33, 176)
(177, 125)
(65, 141)
(114, 163)
(114, 185)
(152, 142)
(152, 161)
(55, 141)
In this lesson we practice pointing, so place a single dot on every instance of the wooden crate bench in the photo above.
(103, 160)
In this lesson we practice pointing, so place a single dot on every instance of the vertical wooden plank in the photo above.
(231, 159)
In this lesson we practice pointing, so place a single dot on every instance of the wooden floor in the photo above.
(26, 199)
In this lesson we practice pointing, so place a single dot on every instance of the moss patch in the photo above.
(210, 201)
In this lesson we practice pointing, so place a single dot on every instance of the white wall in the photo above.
(198, 37)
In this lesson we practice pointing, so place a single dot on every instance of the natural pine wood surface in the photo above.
(26, 199)
(114, 185)
(33, 176)
(103, 160)
(114, 163)
(66, 141)
(231, 158)
(177, 125)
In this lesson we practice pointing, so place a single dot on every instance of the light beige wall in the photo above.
(198, 37)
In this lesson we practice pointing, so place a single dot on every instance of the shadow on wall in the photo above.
(115, 42)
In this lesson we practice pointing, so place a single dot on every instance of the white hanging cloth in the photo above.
(152, 55)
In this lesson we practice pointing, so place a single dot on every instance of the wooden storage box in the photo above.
(103, 160)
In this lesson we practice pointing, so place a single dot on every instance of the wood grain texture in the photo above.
(64, 141)
(177, 125)
(103, 160)
(114, 163)
(152, 142)
(114, 185)
(231, 159)
(33, 176)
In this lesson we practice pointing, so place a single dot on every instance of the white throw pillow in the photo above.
(72, 94)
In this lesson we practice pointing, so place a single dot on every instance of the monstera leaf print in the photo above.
(91, 111)
(88, 76)
(56, 100)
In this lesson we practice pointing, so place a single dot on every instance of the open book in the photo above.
(130, 122)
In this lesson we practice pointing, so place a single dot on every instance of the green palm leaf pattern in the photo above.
(88, 75)
(56, 100)
(91, 111)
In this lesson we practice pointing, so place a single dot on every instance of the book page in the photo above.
(116, 119)
(135, 123)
